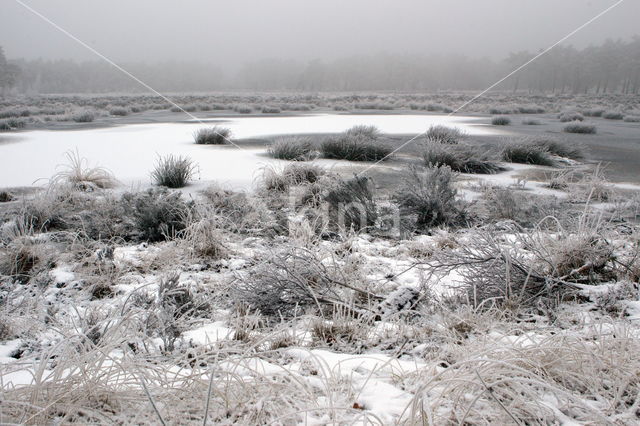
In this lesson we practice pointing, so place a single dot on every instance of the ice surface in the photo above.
(130, 151)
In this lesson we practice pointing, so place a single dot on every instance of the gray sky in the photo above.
(235, 31)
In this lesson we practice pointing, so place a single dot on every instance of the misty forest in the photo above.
(611, 67)
(329, 213)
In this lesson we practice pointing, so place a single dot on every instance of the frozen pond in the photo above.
(130, 151)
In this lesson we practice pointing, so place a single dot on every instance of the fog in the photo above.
(231, 33)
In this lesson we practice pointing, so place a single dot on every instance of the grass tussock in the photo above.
(293, 174)
(360, 143)
(582, 128)
(267, 109)
(20, 258)
(292, 148)
(243, 109)
(559, 147)
(364, 131)
(173, 171)
(445, 135)
(568, 116)
(501, 121)
(531, 122)
(526, 152)
(241, 213)
(119, 111)
(594, 112)
(215, 135)
(428, 198)
(203, 236)
(6, 196)
(593, 187)
(79, 175)
(612, 115)
(351, 204)
(85, 116)
(157, 213)
(527, 210)
(460, 158)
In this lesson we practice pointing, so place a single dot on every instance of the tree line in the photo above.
(612, 67)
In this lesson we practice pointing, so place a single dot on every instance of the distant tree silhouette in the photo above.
(8, 73)
(612, 67)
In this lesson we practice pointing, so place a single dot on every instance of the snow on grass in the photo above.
(208, 333)
(61, 275)
(371, 378)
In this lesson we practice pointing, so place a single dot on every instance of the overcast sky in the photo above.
(235, 31)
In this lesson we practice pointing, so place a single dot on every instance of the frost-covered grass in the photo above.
(613, 115)
(526, 152)
(559, 147)
(83, 116)
(268, 109)
(173, 171)
(360, 143)
(445, 135)
(281, 179)
(77, 173)
(501, 121)
(323, 299)
(215, 135)
(174, 314)
(119, 111)
(583, 128)
(460, 158)
(294, 148)
(568, 116)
